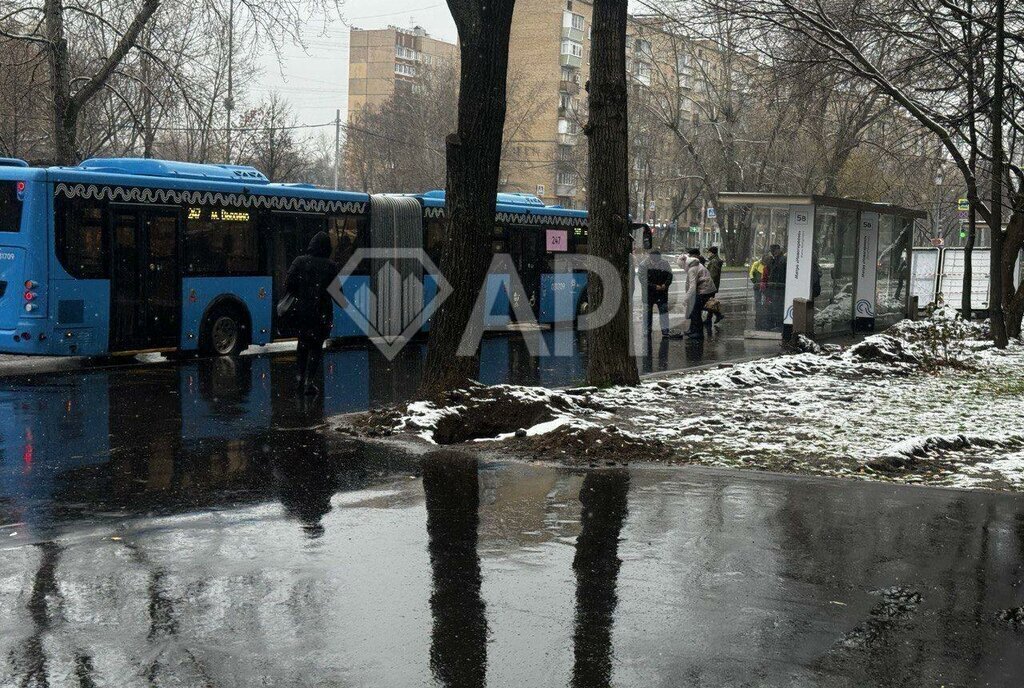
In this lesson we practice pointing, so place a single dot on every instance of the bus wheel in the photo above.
(224, 333)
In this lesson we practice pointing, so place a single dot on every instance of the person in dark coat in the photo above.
(774, 280)
(313, 313)
(714, 266)
(659, 278)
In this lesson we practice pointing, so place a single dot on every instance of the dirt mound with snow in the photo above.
(482, 412)
(589, 444)
(925, 402)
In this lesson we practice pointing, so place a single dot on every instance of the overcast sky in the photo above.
(315, 80)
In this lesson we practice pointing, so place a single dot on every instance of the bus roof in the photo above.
(173, 174)
(510, 203)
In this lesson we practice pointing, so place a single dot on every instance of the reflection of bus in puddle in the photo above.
(47, 428)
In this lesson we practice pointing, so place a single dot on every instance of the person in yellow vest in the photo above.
(756, 275)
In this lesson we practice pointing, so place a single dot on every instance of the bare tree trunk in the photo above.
(609, 361)
(972, 232)
(67, 106)
(1013, 242)
(64, 117)
(996, 223)
(474, 160)
(972, 227)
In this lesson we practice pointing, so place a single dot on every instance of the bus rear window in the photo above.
(10, 206)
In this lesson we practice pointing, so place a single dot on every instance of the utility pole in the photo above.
(337, 145)
(229, 102)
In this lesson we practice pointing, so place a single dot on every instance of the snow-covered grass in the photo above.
(927, 402)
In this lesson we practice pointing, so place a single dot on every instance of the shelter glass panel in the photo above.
(893, 268)
(833, 269)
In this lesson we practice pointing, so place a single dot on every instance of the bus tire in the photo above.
(225, 330)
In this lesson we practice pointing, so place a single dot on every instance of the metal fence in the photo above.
(940, 271)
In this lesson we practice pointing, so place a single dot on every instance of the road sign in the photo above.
(963, 205)
(694, 229)
(712, 214)
(938, 242)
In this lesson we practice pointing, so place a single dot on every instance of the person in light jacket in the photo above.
(699, 288)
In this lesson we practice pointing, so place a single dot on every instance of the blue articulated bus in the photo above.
(533, 234)
(128, 255)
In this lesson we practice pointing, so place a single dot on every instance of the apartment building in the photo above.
(549, 51)
(384, 60)
(549, 65)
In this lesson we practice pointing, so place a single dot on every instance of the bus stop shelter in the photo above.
(850, 258)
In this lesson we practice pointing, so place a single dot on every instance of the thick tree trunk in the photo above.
(995, 305)
(609, 361)
(65, 106)
(474, 159)
(64, 115)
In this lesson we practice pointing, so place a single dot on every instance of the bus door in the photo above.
(526, 245)
(145, 290)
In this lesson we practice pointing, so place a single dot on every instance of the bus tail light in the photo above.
(30, 284)
(29, 307)
(29, 295)
(20, 188)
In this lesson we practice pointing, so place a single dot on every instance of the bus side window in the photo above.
(81, 238)
(220, 241)
(578, 240)
(499, 239)
(433, 239)
(348, 233)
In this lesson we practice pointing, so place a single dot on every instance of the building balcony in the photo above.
(567, 139)
(571, 61)
(567, 86)
(572, 34)
(568, 190)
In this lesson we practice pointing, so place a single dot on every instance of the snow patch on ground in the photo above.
(926, 402)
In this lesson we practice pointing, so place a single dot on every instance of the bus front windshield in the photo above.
(10, 206)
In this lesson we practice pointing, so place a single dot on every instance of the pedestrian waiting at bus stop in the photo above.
(657, 274)
(699, 289)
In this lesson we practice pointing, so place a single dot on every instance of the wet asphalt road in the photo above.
(189, 525)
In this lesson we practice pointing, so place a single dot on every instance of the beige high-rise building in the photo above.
(549, 51)
(384, 60)
(549, 65)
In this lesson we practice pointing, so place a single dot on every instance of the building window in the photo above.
(404, 69)
(573, 21)
(642, 47)
(405, 53)
(572, 48)
(567, 126)
(565, 178)
(643, 73)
